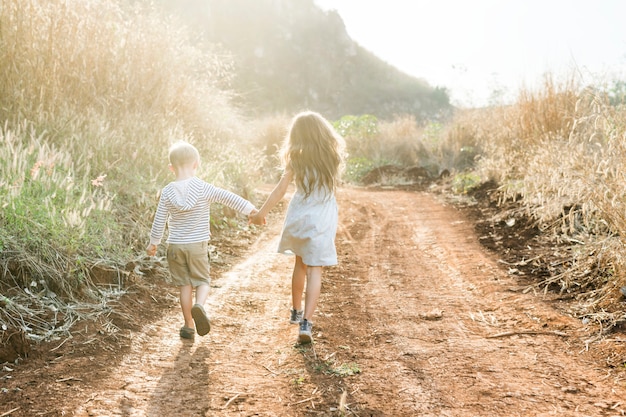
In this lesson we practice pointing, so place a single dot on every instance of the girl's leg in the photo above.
(297, 283)
(186, 300)
(313, 289)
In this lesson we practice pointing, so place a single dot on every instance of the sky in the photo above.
(487, 51)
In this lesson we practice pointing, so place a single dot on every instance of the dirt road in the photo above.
(417, 320)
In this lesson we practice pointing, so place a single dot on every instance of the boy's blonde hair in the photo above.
(313, 151)
(182, 154)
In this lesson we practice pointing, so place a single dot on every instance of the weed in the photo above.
(298, 381)
(464, 182)
(357, 167)
(346, 369)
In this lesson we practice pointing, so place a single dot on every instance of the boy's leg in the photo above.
(177, 261)
(313, 289)
(186, 301)
(199, 275)
(297, 283)
(203, 326)
(202, 293)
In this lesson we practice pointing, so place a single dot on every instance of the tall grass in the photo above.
(92, 92)
(269, 136)
(561, 153)
(49, 203)
(102, 58)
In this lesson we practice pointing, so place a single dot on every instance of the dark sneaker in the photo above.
(296, 316)
(187, 333)
(305, 335)
(202, 321)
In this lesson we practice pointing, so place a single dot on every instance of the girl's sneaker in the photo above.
(296, 316)
(305, 335)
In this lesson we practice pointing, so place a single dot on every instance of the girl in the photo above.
(312, 157)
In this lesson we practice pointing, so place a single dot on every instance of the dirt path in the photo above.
(417, 320)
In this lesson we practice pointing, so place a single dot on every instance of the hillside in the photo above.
(289, 55)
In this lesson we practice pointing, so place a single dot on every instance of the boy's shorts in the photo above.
(189, 263)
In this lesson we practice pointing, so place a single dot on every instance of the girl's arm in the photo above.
(275, 196)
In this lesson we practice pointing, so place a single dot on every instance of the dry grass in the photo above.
(99, 57)
(269, 135)
(561, 152)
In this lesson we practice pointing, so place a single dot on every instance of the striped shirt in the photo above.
(185, 207)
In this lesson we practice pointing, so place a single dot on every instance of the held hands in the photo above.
(255, 218)
(151, 249)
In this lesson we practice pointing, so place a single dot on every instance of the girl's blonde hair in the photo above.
(182, 154)
(313, 150)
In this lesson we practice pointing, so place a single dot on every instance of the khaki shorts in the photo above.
(189, 263)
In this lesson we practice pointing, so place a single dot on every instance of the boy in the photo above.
(185, 206)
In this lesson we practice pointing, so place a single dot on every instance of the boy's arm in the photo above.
(158, 227)
(219, 195)
(151, 249)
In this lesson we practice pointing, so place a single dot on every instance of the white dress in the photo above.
(310, 228)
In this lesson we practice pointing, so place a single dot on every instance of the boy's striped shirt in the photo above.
(185, 207)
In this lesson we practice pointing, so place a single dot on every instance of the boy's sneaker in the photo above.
(202, 321)
(187, 333)
(305, 335)
(296, 316)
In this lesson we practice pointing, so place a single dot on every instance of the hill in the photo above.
(290, 54)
